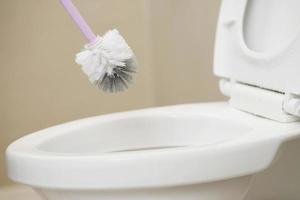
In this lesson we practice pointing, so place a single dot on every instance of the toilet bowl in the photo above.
(196, 151)
(244, 149)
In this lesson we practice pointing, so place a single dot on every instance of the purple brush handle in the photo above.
(78, 19)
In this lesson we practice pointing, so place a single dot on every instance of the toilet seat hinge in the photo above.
(260, 101)
(291, 104)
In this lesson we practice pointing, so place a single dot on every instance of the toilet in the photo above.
(245, 149)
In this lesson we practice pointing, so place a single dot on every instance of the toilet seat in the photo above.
(233, 59)
(275, 73)
(230, 144)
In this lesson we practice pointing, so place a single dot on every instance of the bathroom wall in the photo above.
(183, 34)
(40, 85)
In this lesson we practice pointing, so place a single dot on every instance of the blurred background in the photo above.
(41, 85)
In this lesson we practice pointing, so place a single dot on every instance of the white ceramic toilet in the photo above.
(247, 149)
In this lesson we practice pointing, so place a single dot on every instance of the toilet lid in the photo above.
(256, 44)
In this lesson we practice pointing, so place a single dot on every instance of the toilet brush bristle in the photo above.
(109, 62)
(118, 78)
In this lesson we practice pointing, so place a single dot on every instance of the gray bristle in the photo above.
(120, 79)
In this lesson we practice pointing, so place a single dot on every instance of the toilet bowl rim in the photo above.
(250, 153)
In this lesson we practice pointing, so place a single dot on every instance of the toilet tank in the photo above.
(258, 43)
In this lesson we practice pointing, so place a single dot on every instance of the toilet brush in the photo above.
(108, 60)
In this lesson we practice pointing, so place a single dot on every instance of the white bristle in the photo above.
(109, 62)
